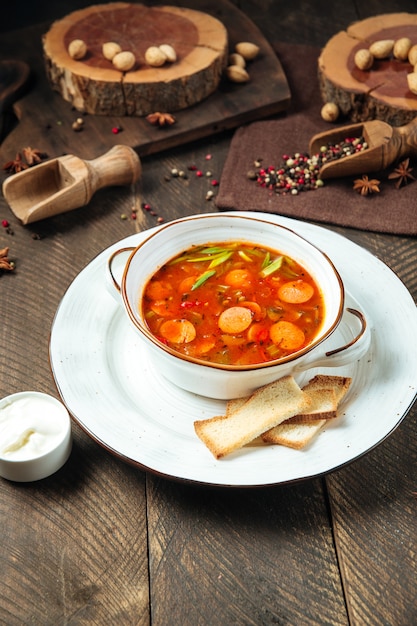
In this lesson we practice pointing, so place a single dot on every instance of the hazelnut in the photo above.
(155, 57)
(77, 49)
(124, 61)
(78, 124)
(171, 55)
(237, 74)
(237, 59)
(247, 50)
(412, 82)
(412, 55)
(110, 49)
(363, 59)
(330, 112)
(381, 49)
(401, 48)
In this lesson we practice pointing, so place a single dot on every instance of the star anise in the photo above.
(32, 156)
(366, 185)
(5, 264)
(161, 119)
(16, 165)
(402, 173)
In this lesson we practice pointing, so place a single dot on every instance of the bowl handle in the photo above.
(113, 281)
(353, 350)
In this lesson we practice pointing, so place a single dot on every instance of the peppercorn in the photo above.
(299, 172)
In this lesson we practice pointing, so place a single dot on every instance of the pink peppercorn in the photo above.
(5, 223)
(199, 173)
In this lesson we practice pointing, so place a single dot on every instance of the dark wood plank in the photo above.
(70, 557)
(262, 556)
(373, 502)
(373, 505)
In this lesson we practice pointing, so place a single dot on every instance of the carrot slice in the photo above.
(258, 333)
(287, 335)
(161, 308)
(295, 292)
(238, 278)
(203, 346)
(258, 313)
(235, 320)
(187, 283)
(178, 331)
(158, 290)
(230, 340)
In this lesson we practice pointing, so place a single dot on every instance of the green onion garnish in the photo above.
(221, 258)
(272, 267)
(202, 279)
(245, 256)
(266, 260)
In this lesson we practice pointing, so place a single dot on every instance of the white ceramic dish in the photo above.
(102, 374)
(35, 436)
(216, 380)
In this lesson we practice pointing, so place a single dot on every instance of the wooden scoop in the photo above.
(386, 145)
(68, 182)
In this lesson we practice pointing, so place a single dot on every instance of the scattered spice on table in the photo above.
(5, 263)
(31, 157)
(366, 185)
(161, 119)
(402, 174)
(7, 227)
(300, 171)
(15, 165)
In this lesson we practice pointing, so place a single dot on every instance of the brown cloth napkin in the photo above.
(390, 211)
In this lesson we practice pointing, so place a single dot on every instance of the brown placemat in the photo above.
(390, 211)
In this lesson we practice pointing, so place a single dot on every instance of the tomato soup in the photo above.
(233, 303)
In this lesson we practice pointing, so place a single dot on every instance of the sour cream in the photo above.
(35, 436)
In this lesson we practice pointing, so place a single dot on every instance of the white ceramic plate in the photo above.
(114, 394)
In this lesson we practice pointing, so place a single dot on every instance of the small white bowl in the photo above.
(35, 436)
(225, 381)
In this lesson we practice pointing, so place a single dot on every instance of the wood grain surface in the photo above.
(103, 543)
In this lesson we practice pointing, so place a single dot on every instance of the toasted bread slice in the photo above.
(295, 436)
(233, 405)
(267, 407)
(297, 433)
(323, 406)
(339, 384)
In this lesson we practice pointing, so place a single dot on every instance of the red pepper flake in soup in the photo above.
(233, 303)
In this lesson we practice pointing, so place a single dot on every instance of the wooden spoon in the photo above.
(13, 78)
(386, 145)
(68, 182)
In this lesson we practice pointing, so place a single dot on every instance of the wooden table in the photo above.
(101, 542)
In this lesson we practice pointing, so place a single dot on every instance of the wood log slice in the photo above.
(93, 85)
(378, 93)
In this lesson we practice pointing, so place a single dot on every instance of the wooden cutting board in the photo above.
(379, 92)
(45, 118)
